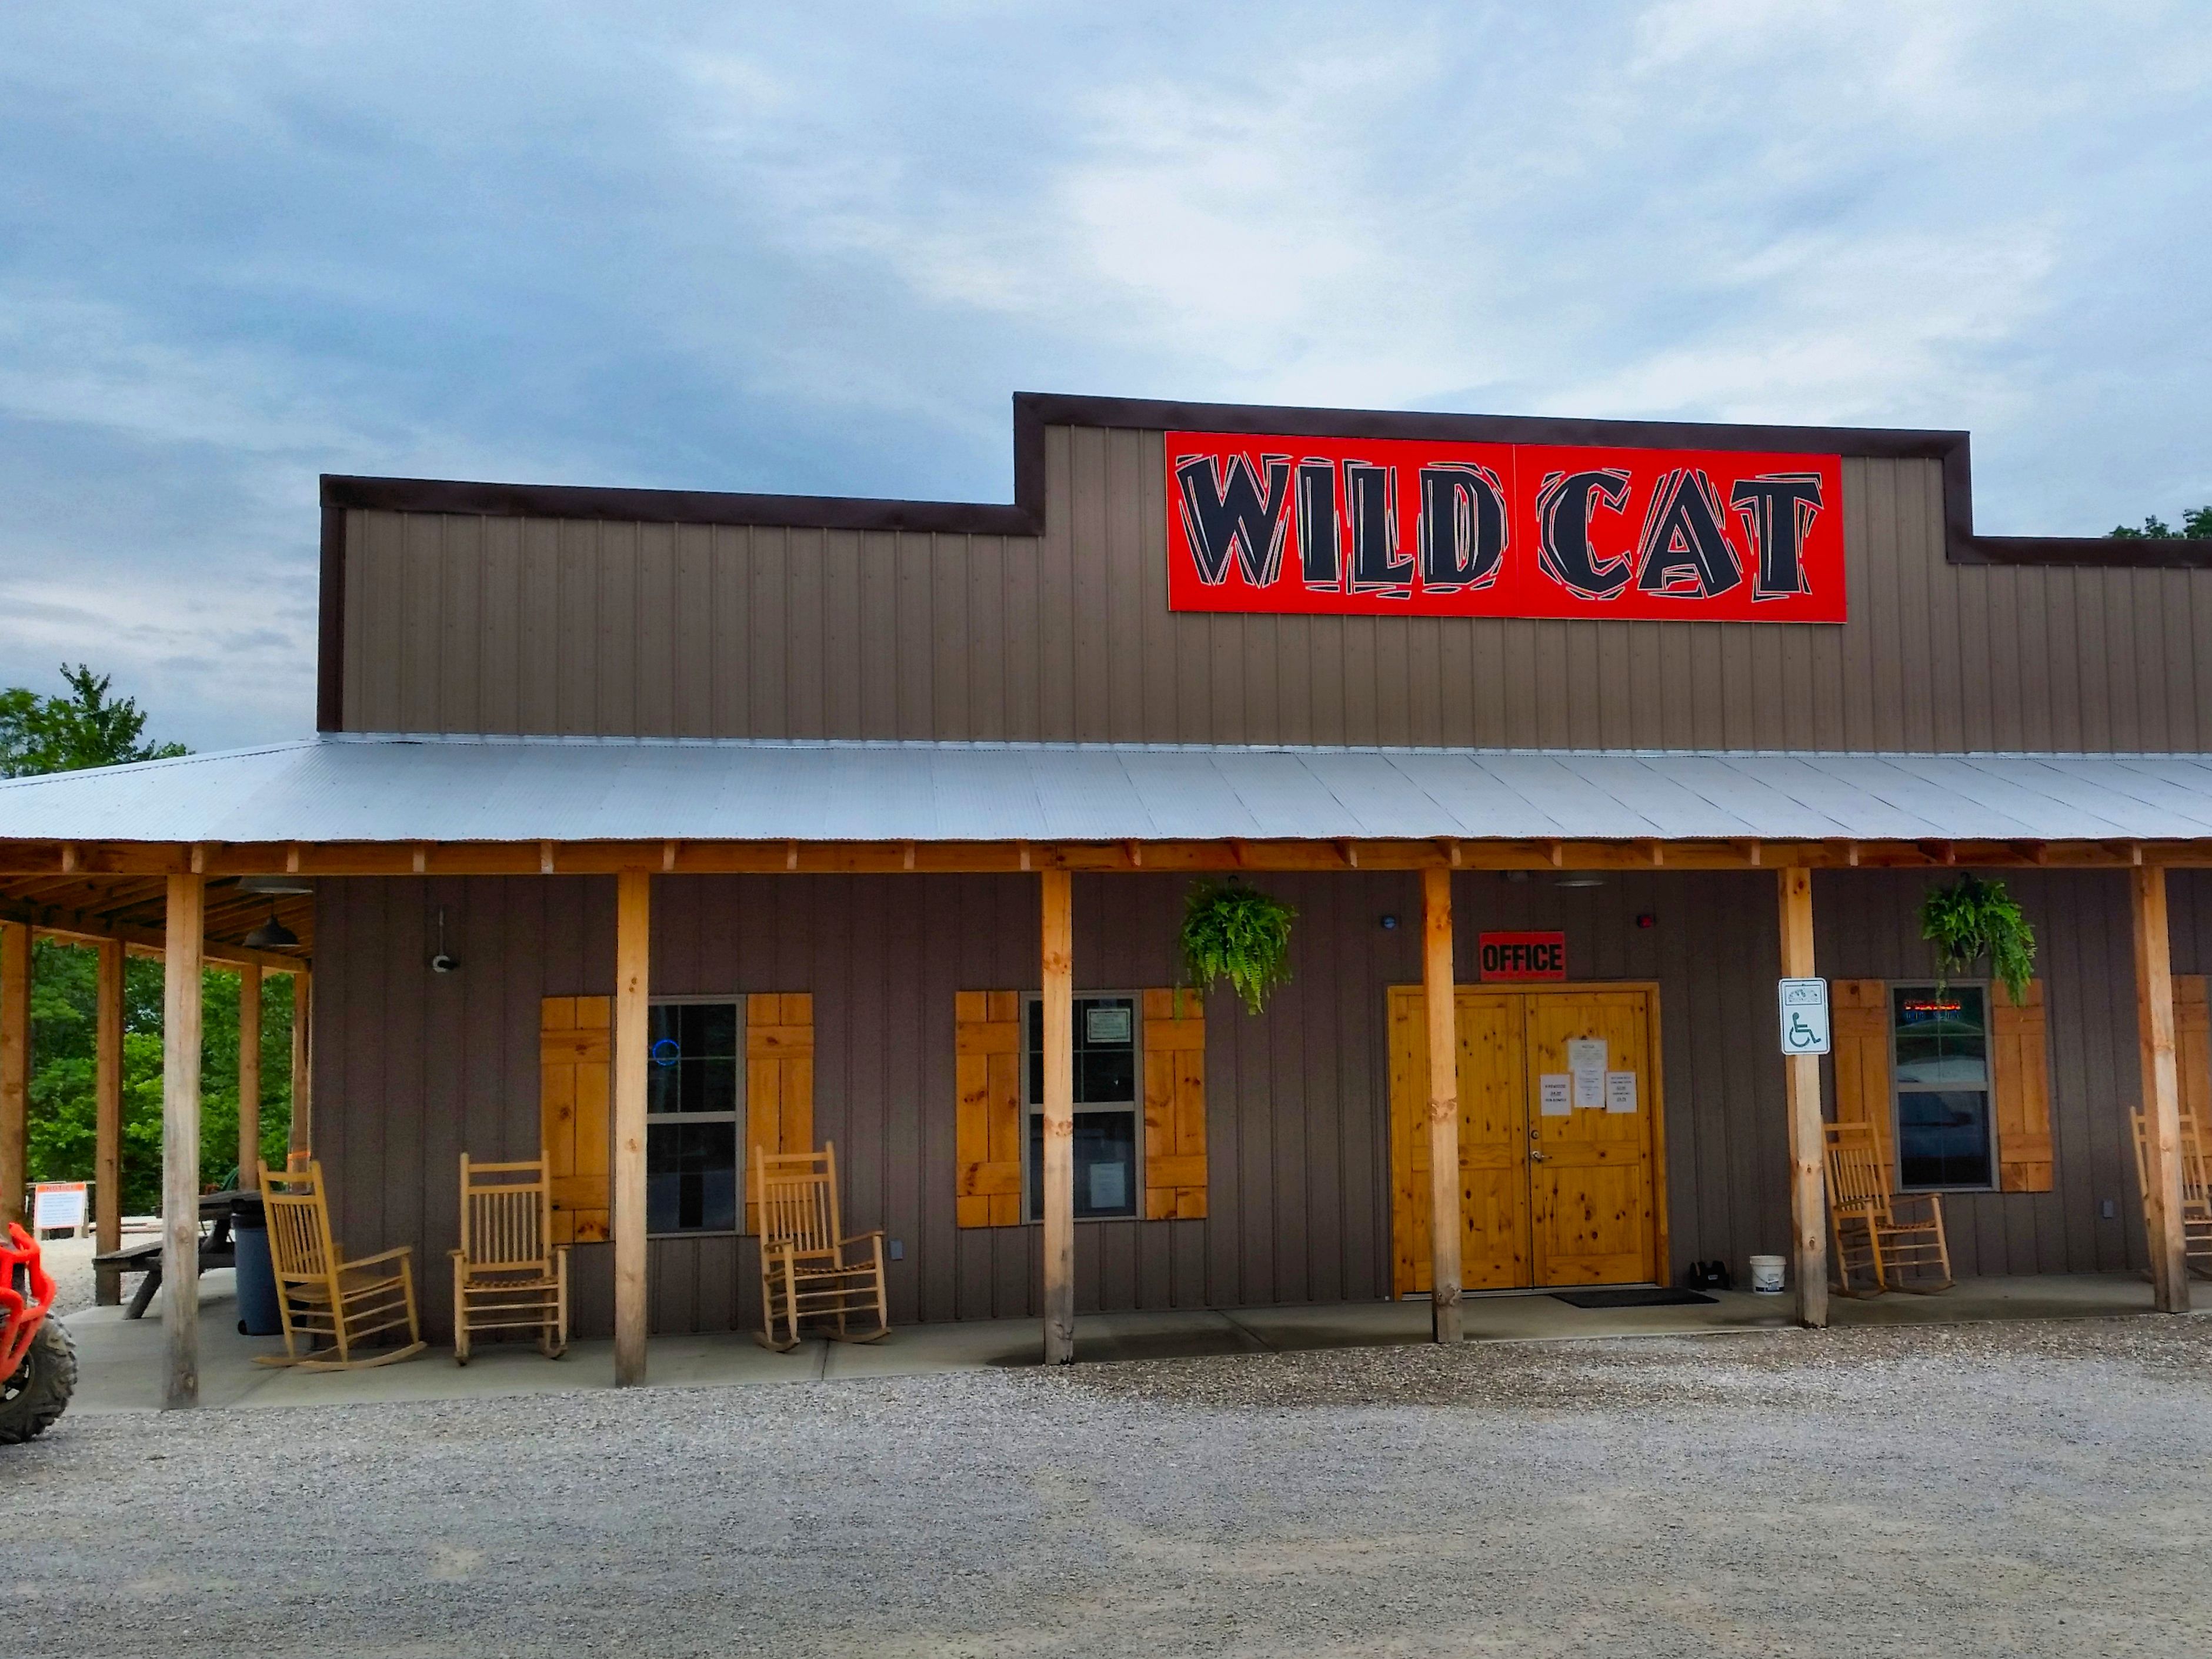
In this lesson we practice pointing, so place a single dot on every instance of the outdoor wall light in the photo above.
(440, 962)
(1389, 923)
(1584, 880)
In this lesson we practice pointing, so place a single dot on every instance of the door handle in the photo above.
(1535, 1157)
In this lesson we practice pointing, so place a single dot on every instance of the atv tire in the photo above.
(31, 1400)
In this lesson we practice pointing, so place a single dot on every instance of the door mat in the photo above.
(1631, 1299)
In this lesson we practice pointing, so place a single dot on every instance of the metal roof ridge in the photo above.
(196, 757)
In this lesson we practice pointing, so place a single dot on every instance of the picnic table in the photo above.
(217, 1249)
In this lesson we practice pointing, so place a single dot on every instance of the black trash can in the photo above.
(258, 1314)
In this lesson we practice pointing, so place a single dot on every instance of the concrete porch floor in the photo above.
(120, 1360)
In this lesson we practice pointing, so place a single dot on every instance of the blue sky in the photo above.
(816, 248)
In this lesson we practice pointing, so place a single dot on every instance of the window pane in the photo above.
(1940, 1040)
(1106, 1176)
(693, 1065)
(1037, 1053)
(690, 1177)
(1943, 1137)
(1105, 1051)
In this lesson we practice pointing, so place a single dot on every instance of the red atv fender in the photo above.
(26, 1293)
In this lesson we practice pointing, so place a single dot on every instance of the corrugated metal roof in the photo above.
(379, 788)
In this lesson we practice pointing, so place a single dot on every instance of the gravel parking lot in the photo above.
(1994, 1489)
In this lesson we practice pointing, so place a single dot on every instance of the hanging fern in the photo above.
(1973, 920)
(1231, 932)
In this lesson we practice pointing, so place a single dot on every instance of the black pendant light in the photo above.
(272, 935)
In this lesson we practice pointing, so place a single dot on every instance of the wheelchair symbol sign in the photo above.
(1804, 1015)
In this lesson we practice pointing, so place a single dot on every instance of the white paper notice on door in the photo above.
(1551, 1096)
(1586, 1060)
(1620, 1092)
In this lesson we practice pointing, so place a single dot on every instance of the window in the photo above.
(694, 1101)
(1941, 1050)
(1106, 1098)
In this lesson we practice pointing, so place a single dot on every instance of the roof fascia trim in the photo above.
(1024, 516)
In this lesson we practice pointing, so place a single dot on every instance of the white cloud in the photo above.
(818, 250)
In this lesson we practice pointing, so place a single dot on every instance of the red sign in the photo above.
(1524, 956)
(1405, 527)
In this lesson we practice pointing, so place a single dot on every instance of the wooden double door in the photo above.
(1560, 1141)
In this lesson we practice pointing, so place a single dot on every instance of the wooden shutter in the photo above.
(2020, 1080)
(1175, 1105)
(778, 1080)
(1859, 1034)
(575, 1054)
(988, 1131)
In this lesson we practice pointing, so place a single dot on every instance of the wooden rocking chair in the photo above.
(1873, 1243)
(806, 1270)
(2196, 1189)
(320, 1294)
(506, 1275)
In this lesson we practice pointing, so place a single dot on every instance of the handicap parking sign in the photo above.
(1804, 1015)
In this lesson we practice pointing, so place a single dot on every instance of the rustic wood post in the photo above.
(302, 1137)
(107, 1117)
(14, 1067)
(1801, 1082)
(1059, 1126)
(180, 1139)
(2162, 1091)
(632, 932)
(249, 1076)
(1440, 994)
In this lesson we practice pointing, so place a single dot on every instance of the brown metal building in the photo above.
(728, 697)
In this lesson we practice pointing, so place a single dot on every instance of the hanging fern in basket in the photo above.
(1231, 932)
(1972, 921)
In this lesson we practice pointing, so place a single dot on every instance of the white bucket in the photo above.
(1766, 1274)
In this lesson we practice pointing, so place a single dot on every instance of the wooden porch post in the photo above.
(632, 932)
(2162, 1091)
(107, 1115)
(1059, 1174)
(1801, 1082)
(249, 1075)
(1439, 992)
(14, 1067)
(180, 1139)
(303, 1137)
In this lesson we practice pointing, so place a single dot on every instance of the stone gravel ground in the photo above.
(69, 1260)
(1967, 1489)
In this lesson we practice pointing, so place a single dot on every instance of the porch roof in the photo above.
(401, 788)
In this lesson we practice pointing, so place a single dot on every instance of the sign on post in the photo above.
(1804, 1015)
(56, 1205)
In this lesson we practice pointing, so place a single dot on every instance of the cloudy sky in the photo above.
(816, 248)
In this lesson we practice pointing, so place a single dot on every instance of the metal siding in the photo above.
(412, 1066)
(1937, 655)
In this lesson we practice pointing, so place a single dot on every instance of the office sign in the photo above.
(1406, 527)
(1524, 956)
(1804, 1005)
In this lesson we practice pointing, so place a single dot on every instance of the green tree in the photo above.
(87, 726)
(66, 733)
(64, 1033)
(2196, 523)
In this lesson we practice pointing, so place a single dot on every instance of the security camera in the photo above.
(442, 963)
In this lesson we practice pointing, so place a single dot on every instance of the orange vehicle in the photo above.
(37, 1366)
